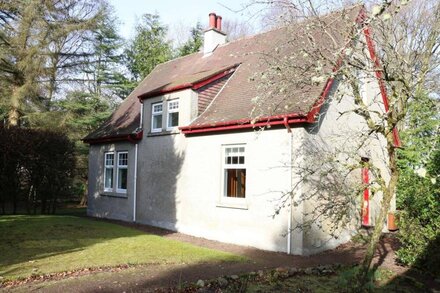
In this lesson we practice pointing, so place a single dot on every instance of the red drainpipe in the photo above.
(366, 198)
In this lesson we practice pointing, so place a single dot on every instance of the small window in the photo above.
(173, 114)
(122, 172)
(109, 163)
(235, 172)
(156, 117)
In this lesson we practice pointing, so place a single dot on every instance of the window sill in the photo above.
(162, 133)
(114, 194)
(240, 205)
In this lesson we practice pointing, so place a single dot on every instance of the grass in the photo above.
(383, 280)
(42, 244)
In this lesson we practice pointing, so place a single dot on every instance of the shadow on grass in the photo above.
(26, 239)
(424, 275)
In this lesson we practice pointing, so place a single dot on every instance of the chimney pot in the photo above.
(212, 20)
(218, 24)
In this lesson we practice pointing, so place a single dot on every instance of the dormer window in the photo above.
(173, 114)
(156, 117)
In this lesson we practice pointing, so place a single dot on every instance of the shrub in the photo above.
(36, 167)
(419, 220)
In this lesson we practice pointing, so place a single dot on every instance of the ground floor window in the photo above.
(109, 159)
(234, 171)
(122, 172)
(116, 171)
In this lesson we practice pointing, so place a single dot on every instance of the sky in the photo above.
(178, 14)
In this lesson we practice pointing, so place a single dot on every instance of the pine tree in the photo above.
(194, 43)
(148, 48)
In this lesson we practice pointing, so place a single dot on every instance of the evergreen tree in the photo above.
(42, 44)
(148, 48)
(194, 43)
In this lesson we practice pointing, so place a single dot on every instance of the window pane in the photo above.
(157, 121)
(241, 160)
(173, 105)
(235, 183)
(122, 178)
(234, 160)
(108, 180)
(173, 119)
(157, 108)
(109, 159)
(123, 159)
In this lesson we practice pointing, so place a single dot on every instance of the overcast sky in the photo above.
(177, 14)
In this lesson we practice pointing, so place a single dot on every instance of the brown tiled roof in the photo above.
(255, 56)
(123, 121)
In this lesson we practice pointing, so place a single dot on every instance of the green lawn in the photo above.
(44, 244)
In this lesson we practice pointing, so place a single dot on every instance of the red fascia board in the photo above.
(133, 138)
(379, 77)
(242, 121)
(194, 86)
(105, 139)
(316, 108)
(234, 125)
(165, 91)
(200, 84)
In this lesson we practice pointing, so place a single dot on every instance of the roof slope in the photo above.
(255, 56)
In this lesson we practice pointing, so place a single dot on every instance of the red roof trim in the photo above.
(133, 138)
(196, 85)
(379, 78)
(246, 123)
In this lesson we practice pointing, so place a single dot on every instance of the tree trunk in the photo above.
(83, 201)
(388, 194)
(14, 114)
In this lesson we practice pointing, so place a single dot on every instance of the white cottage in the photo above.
(182, 152)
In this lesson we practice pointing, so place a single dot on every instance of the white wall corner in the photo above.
(212, 39)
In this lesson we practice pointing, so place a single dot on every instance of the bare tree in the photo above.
(395, 47)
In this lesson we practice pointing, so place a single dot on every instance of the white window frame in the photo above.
(232, 202)
(170, 111)
(118, 167)
(154, 114)
(112, 167)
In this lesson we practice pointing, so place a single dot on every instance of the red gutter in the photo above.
(286, 124)
(133, 138)
(379, 78)
(244, 123)
(232, 126)
(187, 85)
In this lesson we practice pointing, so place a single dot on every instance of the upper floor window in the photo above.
(156, 117)
(173, 114)
(234, 171)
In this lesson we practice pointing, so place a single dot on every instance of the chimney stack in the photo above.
(213, 36)
(218, 23)
(212, 20)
